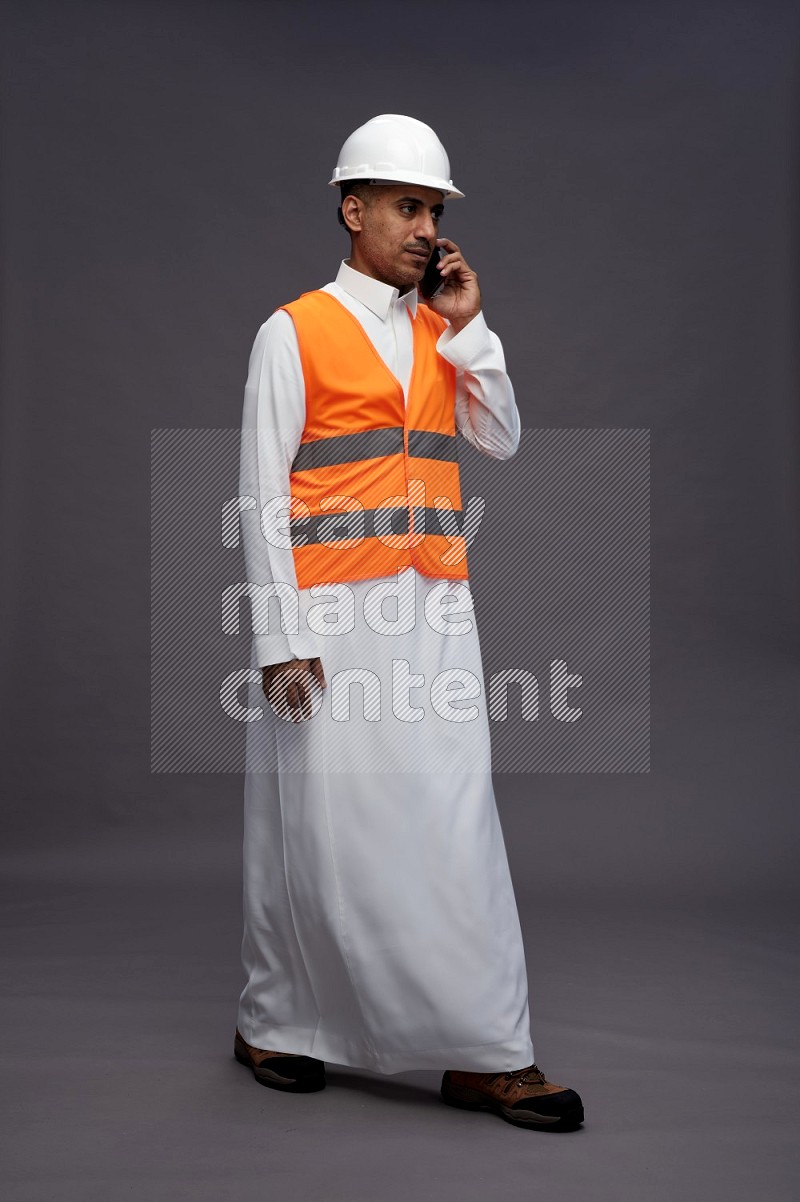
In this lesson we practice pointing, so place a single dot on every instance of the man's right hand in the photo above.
(287, 689)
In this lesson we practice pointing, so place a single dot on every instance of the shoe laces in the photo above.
(532, 1075)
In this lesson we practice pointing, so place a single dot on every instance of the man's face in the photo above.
(396, 232)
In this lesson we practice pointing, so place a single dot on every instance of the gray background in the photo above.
(631, 181)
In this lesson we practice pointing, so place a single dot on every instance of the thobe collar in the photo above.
(377, 296)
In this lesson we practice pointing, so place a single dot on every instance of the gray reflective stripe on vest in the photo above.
(427, 444)
(349, 448)
(374, 444)
(360, 523)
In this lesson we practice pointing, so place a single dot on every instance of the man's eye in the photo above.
(437, 217)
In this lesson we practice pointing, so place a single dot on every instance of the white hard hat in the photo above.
(395, 149)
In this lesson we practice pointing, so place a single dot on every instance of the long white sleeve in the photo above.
(272, 425)
(486, 411)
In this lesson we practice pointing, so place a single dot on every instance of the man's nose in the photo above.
(426, 228)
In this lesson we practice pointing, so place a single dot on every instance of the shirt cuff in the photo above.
(280, 648)
(461, 348)
(272, 649)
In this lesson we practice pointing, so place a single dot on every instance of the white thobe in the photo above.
(380, 924)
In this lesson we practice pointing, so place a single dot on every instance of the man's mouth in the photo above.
(418, 252)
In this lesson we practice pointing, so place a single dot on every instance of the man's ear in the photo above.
(353, 204)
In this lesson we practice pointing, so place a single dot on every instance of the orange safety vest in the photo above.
(373, 474)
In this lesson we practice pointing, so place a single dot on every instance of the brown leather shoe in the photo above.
(523, 1097)
(280, 1070)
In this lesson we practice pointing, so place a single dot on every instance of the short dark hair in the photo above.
(362, 188)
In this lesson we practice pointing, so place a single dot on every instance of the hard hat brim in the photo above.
(409, 177)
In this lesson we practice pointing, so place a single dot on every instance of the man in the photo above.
(380, 925)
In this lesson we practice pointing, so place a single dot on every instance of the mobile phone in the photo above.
(432, 282)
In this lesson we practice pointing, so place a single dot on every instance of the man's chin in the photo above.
(413, 273)
(405, 282)
(404, 276)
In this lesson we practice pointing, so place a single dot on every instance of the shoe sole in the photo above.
(472, 1099)
(265, 1076)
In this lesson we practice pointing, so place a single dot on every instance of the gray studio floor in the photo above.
(662, 951)
(674, 1021)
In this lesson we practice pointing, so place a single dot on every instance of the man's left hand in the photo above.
(460, 299)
